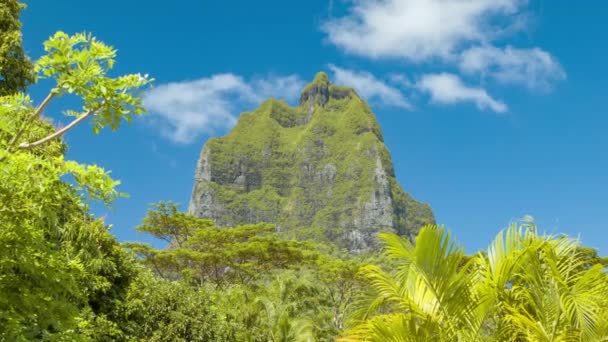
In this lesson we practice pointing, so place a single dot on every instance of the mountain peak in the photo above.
(320, 90)
(320, 168)
(321, 78)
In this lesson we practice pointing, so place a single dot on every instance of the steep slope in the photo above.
(322, 164)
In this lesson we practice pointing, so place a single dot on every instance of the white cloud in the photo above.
(533, 68)
(418, 29)
(185, 110)
(369, 87)
(448, 88)
(466, 35)
(286, 87)
(401, 80)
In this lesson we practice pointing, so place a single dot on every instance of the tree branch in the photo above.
(44, 103)
(36, 113)
(59, 132)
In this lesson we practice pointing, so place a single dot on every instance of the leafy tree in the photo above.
(202, 253)
(55, 258)
(167, 223)
(79, 64)
(16, 70)
(280, 308)
(527, 287)
(160, 310)
(338, 277)
(268, 287)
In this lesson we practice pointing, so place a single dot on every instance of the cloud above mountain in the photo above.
(448, 88)
(468, 37)
(447, 51)
(183, 111)
(370, 87)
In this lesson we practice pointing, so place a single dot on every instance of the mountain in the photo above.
(320, 165)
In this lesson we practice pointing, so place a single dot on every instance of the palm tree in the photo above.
(279, 311)
(526, 287)
(283, 315)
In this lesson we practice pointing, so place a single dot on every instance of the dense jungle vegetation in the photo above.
(65, 277)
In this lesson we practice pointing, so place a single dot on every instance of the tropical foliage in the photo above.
(265, 287)
(64, 277)
(526, 287)
(59, 266)
(16, 70)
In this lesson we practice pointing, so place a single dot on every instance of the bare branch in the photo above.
(34, 115)
(44, 103)
(58, 133)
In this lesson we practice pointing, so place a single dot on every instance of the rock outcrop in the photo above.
(320, 165)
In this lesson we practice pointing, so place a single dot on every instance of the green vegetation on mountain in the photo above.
(322, 164)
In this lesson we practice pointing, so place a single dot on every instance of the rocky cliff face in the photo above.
(322, 164)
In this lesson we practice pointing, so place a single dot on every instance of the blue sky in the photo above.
(492, 109)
